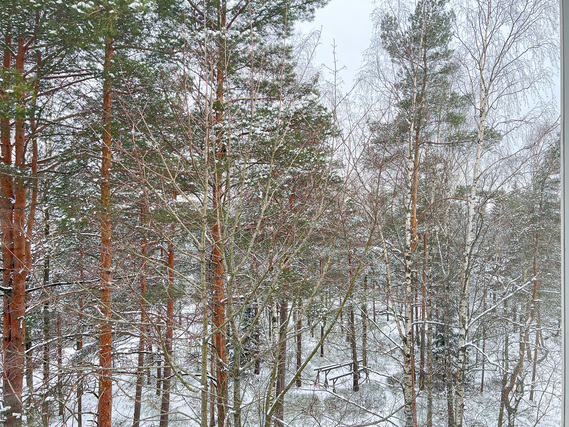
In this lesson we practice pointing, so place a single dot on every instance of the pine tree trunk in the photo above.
(105, 354)
(219, 340)
(10, 397)
(219, 336)
(14, 218)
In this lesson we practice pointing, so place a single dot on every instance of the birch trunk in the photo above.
(466, 262)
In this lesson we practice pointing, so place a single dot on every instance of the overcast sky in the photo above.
(347, 23)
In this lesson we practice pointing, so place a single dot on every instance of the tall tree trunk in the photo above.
(15, 266)
(59, 385)
(466, 261)
(29, 368)
(408, 359)
(205, 300)
(281, 364)
(534, 368)
(237, 354)
(465, 292)
(45, 407)
(503, 394)
(535, 308)
(429, 371)
(364, 325)
(142, 340)
(219, 339)
(483, 344)
(275, 340)
(11, 399)
(323, 326)
(353, 348)
(298, 328)
(159, 365)
(448, 358)
(219, 336)
(79, 348)
(423, 315)
(105, 354)
(514, 379)
(31, 218)
(212, 393)
(167, 381)
(257, 341)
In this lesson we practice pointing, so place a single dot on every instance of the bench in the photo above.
(328, 368)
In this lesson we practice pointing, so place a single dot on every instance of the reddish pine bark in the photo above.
(7, 245)
(105, 356)
(219, 339)
(13, 225)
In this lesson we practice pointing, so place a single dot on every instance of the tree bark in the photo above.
(281, 364)
(364, 325)
(45, 407)
(59, 384)
(14, 254)
(142, 340)
(219, 336)
(105, 354)
(535, 308)
(79, 348)
(353, 348)
(423, 315)
(298, 327)
(165, 407)
(465, 271)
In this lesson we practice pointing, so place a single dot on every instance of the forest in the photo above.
(201, 226)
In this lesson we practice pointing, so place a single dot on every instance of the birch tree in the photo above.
(504, 45)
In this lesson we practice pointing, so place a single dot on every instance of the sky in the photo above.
(348, 24)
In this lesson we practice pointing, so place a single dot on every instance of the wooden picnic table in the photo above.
(328, 368)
